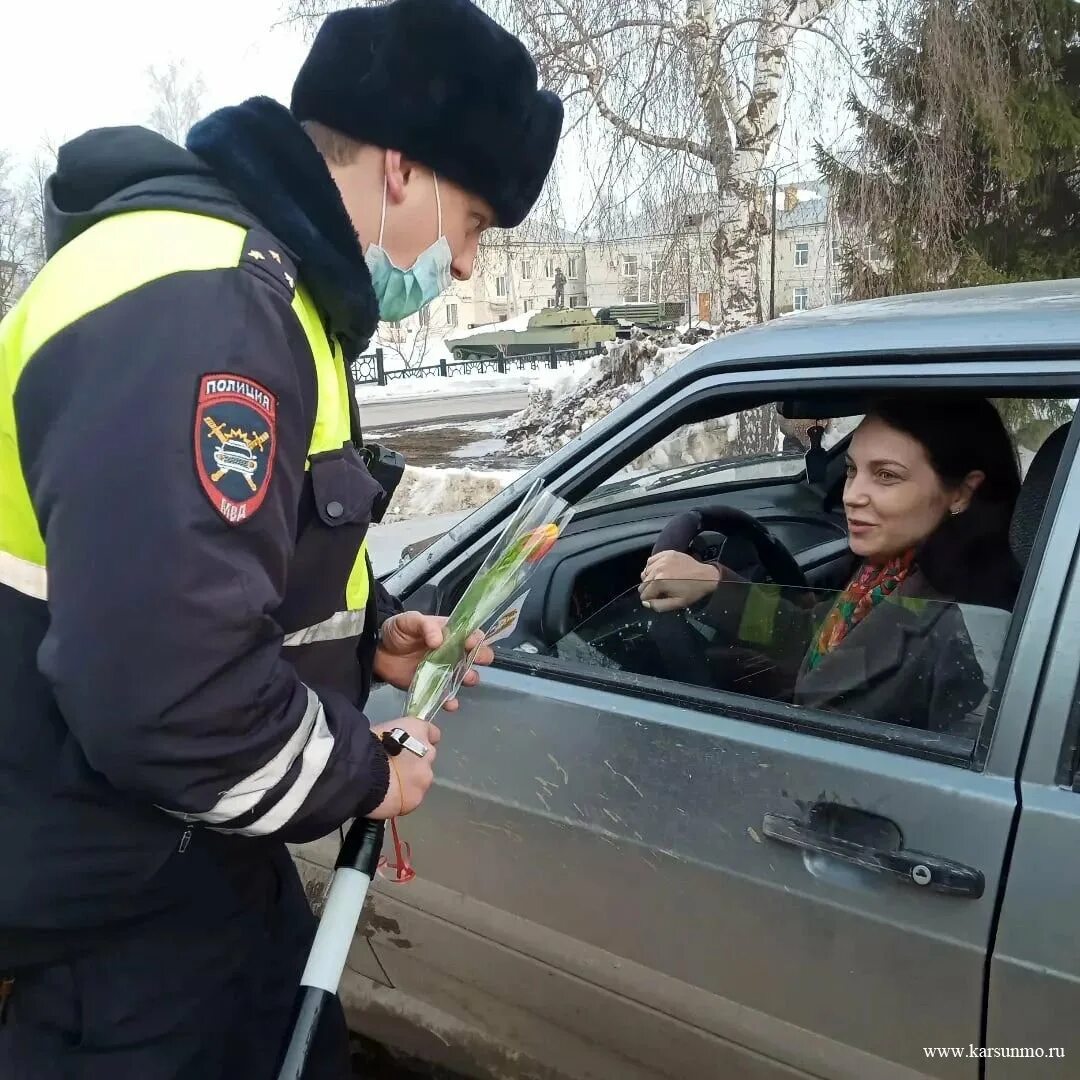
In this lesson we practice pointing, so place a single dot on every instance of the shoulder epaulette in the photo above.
(267, 258)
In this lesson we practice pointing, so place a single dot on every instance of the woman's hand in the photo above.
(672, 580)
(410, 776)
(407, 638)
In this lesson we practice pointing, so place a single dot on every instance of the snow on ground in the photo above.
(561, 408)
(414, 346)
(425, 492)
(456, 385)
(408, 348)
(451, 386)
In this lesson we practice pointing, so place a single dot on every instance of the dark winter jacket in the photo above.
(190, 669)
(925, 658)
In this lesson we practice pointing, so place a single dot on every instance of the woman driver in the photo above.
(930, 491)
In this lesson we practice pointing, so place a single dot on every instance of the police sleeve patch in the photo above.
(235, 443)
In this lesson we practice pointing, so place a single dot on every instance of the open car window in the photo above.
(754, 444)
(915, 663)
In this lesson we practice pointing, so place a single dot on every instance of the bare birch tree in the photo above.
(690, 96)
(177, 98)
(677, 105)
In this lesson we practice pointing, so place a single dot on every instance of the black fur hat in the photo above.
(444, 84)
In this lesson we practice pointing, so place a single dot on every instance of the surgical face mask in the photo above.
(404, 292)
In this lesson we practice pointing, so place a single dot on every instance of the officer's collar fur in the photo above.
(263, 155)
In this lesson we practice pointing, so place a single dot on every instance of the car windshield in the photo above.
(755, 444)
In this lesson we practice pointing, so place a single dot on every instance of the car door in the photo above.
(1035, 969)
(655, 873)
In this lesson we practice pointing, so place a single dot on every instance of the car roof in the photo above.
(1034, 314)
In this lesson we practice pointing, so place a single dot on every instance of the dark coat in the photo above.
(155, 678)
(925, 658)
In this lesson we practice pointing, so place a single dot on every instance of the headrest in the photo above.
(1034, 495)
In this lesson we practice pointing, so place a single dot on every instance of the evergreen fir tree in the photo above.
(967, 168)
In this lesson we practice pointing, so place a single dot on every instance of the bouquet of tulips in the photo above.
(527, 538)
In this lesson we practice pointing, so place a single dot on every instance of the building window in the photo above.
(572, 266)
(551, 301)
(801, 299)
(527, 305)
(874, 254)
(577, 301)
(837, 251)
(655, 263)
(802, 253)
(549, 268)
(451, 315)
(629, 266)
(425, 316)
(501, 287)
(526, 269)
(836, 293)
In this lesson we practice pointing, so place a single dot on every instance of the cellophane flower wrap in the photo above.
(528, 537)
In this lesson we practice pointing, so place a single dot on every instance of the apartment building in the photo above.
(809, 254)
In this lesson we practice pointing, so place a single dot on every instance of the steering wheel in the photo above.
(680, 647)
(682, 530)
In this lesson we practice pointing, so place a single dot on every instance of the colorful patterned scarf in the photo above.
(870, 586)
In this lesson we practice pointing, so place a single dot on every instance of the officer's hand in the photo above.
(407, 638)
(410, 776)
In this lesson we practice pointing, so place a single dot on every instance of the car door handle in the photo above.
(910, 867)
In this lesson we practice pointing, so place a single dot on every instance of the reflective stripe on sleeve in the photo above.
(313, 739)
(22, 576)
(316, 755)
(345, 624)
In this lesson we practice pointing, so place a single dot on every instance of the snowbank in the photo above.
(450, 386)
(426, 492)
(563, 406)
(455, 385)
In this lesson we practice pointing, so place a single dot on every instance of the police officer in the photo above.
(189, 626)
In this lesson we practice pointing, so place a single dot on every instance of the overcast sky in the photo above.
(68, 65)
(71, 65)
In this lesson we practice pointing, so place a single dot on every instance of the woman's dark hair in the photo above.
(960, 435)
(968, 556)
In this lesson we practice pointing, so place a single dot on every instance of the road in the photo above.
(385, 542)
(431, 408)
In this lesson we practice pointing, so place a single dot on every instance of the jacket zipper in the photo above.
(184, 841)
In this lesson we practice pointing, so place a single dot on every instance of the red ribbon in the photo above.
(399, 871)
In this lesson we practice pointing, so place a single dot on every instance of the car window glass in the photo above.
(755, 444)
(760, 444)
(910, 662)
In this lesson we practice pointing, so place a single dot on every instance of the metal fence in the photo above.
(370, 369)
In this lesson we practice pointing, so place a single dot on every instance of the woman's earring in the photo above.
(955, 510)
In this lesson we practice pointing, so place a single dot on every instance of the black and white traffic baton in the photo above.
(353, 871)
(356, 864)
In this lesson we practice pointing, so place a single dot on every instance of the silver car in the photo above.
(624, 872)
